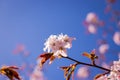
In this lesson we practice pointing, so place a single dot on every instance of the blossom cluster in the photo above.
(92, 22)
(114, 73)
(58, 44)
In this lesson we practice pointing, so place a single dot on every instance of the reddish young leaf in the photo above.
(10, 72)
(66, 70)
(45, 57)
(86, 55)
(91, 56)
(98, 76)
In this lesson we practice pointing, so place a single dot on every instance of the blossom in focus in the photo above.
(82, 72)
(103, 48)
(58, 44)
(116, 38)
(114, 73)
(55, 46)
(116, 66)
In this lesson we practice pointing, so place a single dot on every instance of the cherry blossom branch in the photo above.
(56, 47)
(87, 64)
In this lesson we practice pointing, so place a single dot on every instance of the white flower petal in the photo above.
(58, 44)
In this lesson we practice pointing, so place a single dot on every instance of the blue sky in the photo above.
(30, 22)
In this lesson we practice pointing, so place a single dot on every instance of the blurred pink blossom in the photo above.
(91, 18)
(103, 48)
(37, 73)
(119, 55)
(19, 48)
(82, 72)
(92, 22)
(107, 9)
(116, 38)
(26, 53)
(92, 29)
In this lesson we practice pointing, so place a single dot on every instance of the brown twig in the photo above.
(87, 64)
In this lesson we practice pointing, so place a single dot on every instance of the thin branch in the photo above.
(87, 64)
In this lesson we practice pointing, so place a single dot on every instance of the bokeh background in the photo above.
(26, 24)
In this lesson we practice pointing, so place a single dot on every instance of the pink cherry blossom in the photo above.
(92, 22)
(91, 18)
(103, 48)
(66, 40)
(37, 74)
(116, 38)
(119, 55)
(58, 44)
(92, 29)
(19, 48)
(114, 73)
(51, 43)
(82, 72)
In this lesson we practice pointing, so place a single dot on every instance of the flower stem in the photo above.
(87, 64)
